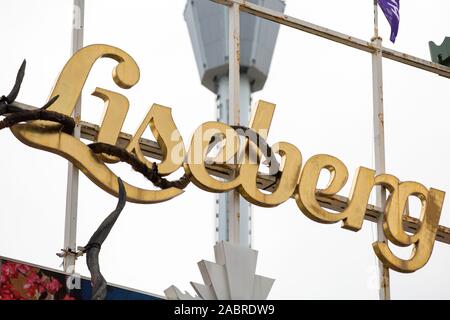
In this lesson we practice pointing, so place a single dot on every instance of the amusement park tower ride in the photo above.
(207, 23)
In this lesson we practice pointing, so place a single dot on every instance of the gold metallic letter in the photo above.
(197, 155)
(290, 166)
(353, 215)
(423, 240)
(169, 139)
(290, 170)
(116, 109)
(248, 169)
(74, 74)
(46, 135)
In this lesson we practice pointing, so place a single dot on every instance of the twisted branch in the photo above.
(139, 166)
(16, 114)
(11, 97)
(92, 249)
(68, 123)
(260, 143)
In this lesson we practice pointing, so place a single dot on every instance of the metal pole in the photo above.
(380, 161)
(223, 107)
(234, 86)
(375, 18)
(70, 230)
(245, 227)
(222, 199)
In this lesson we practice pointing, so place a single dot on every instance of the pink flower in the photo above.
(34, 285)
(6, 295)
(7, 292)
(6, 287)
(33, 278)
(23, 268)
(9, 269)
(53, 286)
(31, 289)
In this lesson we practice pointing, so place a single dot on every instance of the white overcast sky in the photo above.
(323, 94)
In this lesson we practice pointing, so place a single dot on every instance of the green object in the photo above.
(441, 54)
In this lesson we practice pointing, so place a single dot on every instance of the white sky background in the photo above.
(323, 94)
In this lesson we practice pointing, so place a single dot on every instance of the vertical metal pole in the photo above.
(222, 199)
(223, 107)
(70, 230)
(375, 18)
(380, 161)
(245, 227)
(234, 94)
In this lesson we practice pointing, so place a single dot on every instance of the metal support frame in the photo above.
(337, 203)
(281, 18)
(379, 146)
(70, 229)
(378, 52)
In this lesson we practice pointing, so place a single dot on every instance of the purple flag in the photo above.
(391, 9)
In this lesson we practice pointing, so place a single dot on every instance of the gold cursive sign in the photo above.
(292, 179)
(47, 136)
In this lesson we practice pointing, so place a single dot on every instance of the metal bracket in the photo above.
(69, 252)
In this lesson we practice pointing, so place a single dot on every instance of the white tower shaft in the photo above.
(224, 216)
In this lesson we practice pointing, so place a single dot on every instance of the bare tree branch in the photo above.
(68, 123)
(5, 102)
(139, 166)
(92, 249)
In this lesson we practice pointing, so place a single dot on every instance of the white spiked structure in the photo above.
(232, 277)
